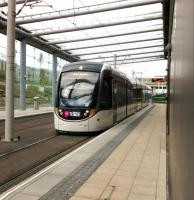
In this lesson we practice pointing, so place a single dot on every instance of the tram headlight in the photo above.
(86, 113)
(60, 111)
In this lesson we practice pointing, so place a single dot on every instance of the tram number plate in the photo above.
(75, 114)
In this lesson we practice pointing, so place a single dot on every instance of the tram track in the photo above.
(38, 147)
(27, 146)
(14, 177)
(24, 122)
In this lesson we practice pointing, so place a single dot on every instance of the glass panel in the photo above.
(3, 40)
(39, 80)
(2, 70)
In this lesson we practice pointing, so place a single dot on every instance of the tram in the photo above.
(92, 97)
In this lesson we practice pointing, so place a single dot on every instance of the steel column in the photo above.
(10, 65)
(23, 75)
(54, 76)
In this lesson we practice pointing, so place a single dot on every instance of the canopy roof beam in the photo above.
(101, 25)
(106, 36)
(133, 54)
(5, 4)
(141, 61)
(85, 12)
(112, 44)
(111, 51)
(39, 43)
(137, 58)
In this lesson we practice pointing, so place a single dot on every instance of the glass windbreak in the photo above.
(77, 88)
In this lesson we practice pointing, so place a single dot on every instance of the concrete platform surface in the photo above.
(28, 112)
(134, 168)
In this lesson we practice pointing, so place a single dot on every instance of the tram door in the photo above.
(114, 101)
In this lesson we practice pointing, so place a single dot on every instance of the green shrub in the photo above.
(159, 98)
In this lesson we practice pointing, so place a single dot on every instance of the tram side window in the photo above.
(134, 95)
(106, 95)
(121, 94)
(129, 96)
(139, 94)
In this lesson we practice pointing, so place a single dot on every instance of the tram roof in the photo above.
(83, 65)
(92, 31)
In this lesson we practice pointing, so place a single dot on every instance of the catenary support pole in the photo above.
(54, 75)
(9, 108)
(115, 61)
(23, 75)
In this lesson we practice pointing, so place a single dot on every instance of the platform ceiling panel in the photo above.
(94, 30)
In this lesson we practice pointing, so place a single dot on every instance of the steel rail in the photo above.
(36, 166)
(27, 146)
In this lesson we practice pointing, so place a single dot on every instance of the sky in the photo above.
(146, 69)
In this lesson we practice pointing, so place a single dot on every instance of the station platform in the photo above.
(28, 112)
(126, 162)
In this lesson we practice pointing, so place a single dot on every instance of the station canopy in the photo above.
(92, 30)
